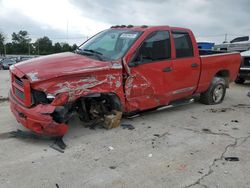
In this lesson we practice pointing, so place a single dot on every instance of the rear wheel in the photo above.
(239, 80)
(216, 92)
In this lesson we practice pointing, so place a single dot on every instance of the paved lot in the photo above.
(4, 83)
(188, 151)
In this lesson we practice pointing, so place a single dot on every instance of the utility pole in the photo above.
(67, 31)
(225, 41)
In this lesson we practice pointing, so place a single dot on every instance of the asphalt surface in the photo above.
(178, 147)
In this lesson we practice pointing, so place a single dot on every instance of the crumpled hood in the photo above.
(62, 64)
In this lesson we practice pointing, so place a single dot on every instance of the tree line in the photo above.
(21, 44)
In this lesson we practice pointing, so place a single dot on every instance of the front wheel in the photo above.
(216, 92)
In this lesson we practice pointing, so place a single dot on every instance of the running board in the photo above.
(176, 104)
(171, 105)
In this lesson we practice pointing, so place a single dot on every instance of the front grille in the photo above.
(247, 61)
(19, 94)
(19, 81)
(21, 90)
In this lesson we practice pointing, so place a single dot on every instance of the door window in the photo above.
(155, 48)
(183, 44)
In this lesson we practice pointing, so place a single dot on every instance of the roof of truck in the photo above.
(146, 27)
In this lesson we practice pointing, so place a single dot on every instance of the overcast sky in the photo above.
(72, 20)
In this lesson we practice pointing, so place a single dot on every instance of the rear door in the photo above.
(186, 65)
(150, 82)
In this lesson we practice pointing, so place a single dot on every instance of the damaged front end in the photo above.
(46, 107)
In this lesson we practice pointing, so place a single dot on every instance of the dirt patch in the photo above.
(215, 110)
(242, 106)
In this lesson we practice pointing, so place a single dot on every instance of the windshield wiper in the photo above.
(93, 51)
(90, 52)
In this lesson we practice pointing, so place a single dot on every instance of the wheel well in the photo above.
(224, 74)
(99, 103)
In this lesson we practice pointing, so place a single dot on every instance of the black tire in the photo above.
(215, 93)
(239, 80)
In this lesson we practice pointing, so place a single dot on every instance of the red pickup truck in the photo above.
(122, 69)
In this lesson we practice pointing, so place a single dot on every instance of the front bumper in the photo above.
(37, 119)
(244, 73)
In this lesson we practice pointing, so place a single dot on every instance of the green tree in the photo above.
(44, 45)
(20, 42)
(57, 48)
(74, 47)
(65, 47)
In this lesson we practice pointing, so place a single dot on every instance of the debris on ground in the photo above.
(232, 158)
(248, 94)
(112, 167)
(235, 128)
(127, 126)
(55, 147)
(59, 141)
(58, 144)
(242, 106)
(113, 120)
(111, 148)
(194, 117)
(213, 110)
(206, 130)
(235, 121)
(150, 155)
(161, 135)
(182, 167)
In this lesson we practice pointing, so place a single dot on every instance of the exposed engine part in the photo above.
(103, 108)
(62, 114)
(113, 120)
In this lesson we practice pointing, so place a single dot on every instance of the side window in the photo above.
(183, 44)
(156, 47)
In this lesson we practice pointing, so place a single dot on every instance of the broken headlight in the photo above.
(50, 97)
(39, 97)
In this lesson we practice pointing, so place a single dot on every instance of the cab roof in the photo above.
(146, 28)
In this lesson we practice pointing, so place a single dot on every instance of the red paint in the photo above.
(70, 76)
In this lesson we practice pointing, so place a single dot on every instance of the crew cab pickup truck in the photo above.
(124, 69)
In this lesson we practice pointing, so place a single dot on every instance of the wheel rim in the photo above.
(218, 93)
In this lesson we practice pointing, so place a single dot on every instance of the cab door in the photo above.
(186, 65)
(150, 82)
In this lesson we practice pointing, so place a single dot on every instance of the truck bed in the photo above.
(214, 62)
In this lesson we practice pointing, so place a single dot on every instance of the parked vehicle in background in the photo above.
(205, 45)
(239, 44)
(244, 72)
(24, 58)
(124, 69)
(6, 63)
(1, 64)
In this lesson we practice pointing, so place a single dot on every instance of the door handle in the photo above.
(167, 69)
(194, 65)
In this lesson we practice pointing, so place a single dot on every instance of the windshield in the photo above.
(110, 44)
